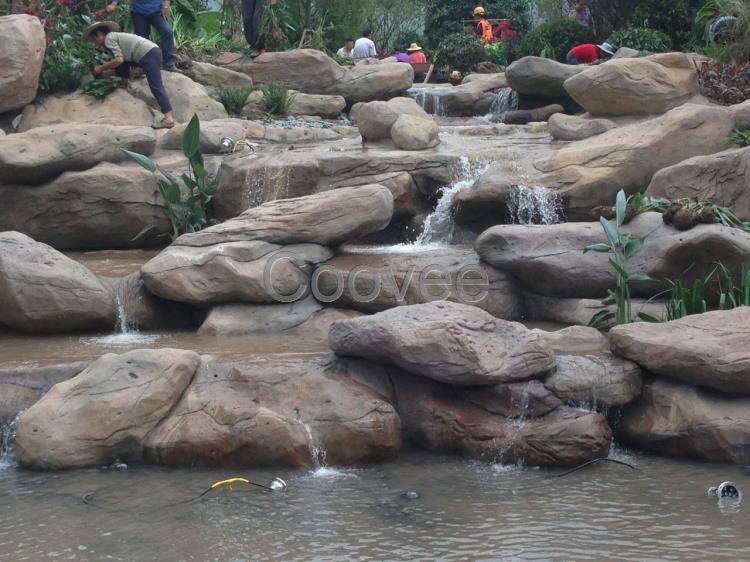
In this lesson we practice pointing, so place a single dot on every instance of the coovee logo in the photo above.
(366, 283)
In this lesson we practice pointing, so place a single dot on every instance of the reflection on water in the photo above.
(466, 511)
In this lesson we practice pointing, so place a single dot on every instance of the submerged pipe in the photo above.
(594, 461)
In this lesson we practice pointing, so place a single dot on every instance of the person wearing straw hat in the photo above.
(416, 55)
(128, 49)
(589, 53)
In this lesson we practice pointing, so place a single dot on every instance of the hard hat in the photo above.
(478, 11)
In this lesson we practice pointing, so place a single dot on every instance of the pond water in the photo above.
(466, 511)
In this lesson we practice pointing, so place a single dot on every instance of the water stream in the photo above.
(534, 205)
(506, 99)
(8, 443)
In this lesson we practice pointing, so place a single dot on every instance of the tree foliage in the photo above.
(554, 39)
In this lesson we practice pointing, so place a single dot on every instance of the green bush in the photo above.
(672, 17)
(495, 52)
(459, 51)
(233, 99)
(642, 39)
(276, 99)
(554, 39)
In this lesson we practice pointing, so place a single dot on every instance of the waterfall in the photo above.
(8, 443)
(506, 99)
(534, 205)
(430, 99)
(439, 225)
(317, 454)
(124, 292)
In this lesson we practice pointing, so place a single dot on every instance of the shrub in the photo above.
(735, 47)
(554, 39)
(459, 51)
(98, 89)
(233, 99)
(642, 39)
(725, 83)
(495, 52)
(672, 17)
(276, 99)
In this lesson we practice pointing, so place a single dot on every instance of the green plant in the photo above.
(233, 99)
(733, 292)
(276, 99)
(554, 39)
(187, 197)
(459, 51)
(98, 89)
(495, 52)
(642, 39)
(734, 42)
(621, 247)
(739, 138)
(685, 300)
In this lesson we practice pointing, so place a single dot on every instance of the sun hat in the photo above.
(607, 48)
(478, 11)
(112, 26)
(413, 47)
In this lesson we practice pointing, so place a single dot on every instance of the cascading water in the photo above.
(430, 99)
(534, 205)
(127, 294)
(124, 324)
(8, 443)
(505, 100)
(317, 454)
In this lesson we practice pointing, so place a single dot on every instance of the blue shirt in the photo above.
(144, 7)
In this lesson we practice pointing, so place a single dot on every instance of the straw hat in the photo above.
(413, 48)
(87, 33)
(478, 11)
(607, 48)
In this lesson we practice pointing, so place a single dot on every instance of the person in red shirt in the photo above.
(416, 55)
(588, 53)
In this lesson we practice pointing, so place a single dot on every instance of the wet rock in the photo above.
(599, 380)
(459, 101)
(435, 419)
(574, 340)
(106, 411)
(529, 399)
(543, 258)
(705, 350)
(118, 108)
(240, 318)
(573, 128)
(21, 57)
(449, 342)
(589, 173)
(277, 412)
(250, 271)
(377, 282)
(329, 218)
(684, 421)
(415, 133)
(188, 98)
(43, 153)
(41, 290)
(635, 86)
(212, 134)
(376, 119)
(524, 116)
(537, 76)
(212, 75)
(722, 178)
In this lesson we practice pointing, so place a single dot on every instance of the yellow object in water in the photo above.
(228, 483)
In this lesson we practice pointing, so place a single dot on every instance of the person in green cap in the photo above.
(128, 49)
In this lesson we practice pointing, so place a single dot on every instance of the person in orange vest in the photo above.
(484, 27)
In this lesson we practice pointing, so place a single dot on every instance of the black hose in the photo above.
(594, 461)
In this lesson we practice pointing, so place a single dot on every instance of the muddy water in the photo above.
(467, 511)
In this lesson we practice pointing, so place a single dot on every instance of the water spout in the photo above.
(534, 205)
(317, 454)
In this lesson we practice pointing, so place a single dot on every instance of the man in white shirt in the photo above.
(364, 48)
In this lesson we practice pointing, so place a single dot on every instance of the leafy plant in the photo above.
(276, 99)
(739, 138)
(733, 292)
(98, 89)
(642, 39)
(233, 99)
(554, 39)
(686, 300)
(725, 83)
(734, 41)
(495, 52)
(621, 247)
(459, 51)
(189, 195)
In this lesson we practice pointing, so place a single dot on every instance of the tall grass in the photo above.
(233, 99)
(276, 99)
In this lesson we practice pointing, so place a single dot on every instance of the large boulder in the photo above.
(377, 282)
(722, 178)
(549, 260)
(684, 421)
(211, 137)
(370, 82)
(528, 399)
(415, 133)
(213, 75)
(43, 153)
(106, 411)
(598, 380)
(320, 105)
(589, 173)
(705, 350)
(376, 119)
(21, 56)
(188, 98)
(449, 342)
(540, 77)
(635, 86)
(331, 217)
(271, 412)
(41, 290)
(118, 108)
(574, 128)
(249, 271)
(245, 318)
(434, 417)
